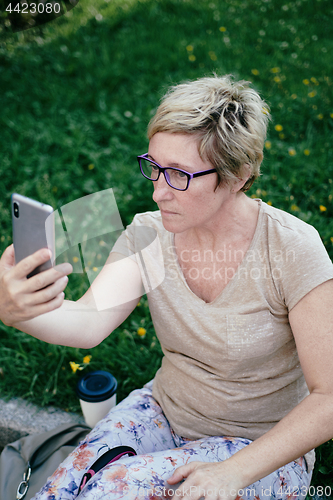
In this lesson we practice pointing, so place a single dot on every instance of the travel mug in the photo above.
(97, 394)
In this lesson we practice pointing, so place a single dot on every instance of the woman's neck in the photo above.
(236, 221)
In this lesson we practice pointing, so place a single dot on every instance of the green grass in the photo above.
(76, 97)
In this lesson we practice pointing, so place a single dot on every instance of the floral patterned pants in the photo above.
(139, 422)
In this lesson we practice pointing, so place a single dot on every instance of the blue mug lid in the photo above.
(96, 386)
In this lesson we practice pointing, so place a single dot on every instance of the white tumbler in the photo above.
(97, 394)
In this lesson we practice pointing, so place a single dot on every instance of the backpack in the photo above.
(26, 464)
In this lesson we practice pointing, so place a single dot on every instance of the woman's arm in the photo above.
(308, 425)
(43, 313)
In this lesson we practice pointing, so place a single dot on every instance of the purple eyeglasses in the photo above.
(175, 177)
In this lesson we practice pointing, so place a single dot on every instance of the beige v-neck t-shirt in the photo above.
(230, 367)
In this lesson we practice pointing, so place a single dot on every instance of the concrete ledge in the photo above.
(19, 418)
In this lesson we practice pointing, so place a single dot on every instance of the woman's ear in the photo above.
(246, 174)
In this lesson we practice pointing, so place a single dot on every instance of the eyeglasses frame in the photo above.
(163, 169)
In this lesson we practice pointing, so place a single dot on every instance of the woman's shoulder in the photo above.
(298, 257)
(146, 226)
(286, 224)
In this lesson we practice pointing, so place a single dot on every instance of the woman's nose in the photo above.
(162, 190)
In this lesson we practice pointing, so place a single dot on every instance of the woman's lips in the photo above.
(167, 212)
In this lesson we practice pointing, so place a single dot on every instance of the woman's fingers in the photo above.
(183, 472)
(27, 265)
(48, 293)
(22, 305)
(46, 278)
(21, 298)
(35, 311)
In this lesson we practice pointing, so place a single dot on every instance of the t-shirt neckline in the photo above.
(242, 263)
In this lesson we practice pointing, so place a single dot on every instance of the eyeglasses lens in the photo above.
(176, 178)
(149, 169)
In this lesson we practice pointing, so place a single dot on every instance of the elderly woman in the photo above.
(242, 306)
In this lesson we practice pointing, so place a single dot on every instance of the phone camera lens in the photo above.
(16, 210)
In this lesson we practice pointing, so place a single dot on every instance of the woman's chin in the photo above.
(171, 225)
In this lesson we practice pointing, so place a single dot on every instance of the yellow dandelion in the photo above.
(269, 203)
(278, 128)
(91, 166)
(95, 269)
(86, 359)
(141, 331)
(331, 115)
(253, 195)
(322, 208)
(138, 304)
(75, 366)
(212, 55)
(254, 72)
(192, 57)
(189, 48)
(320, 116)
(294, 96)
(314, 80)
(306, 152)
(332, 242)
(292, 151)
(75, 259)
(223, 29)
(275, 70)
(268, 144)
(277, 79)
(282, 136)
(306, 81)
(295, 208)
(312, 94)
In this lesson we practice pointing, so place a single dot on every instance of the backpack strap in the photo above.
(38, 448)
(106, 459)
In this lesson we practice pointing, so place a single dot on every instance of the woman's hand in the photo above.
(22, 299)
(212, 481)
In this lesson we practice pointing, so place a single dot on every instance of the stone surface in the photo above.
(19, 418)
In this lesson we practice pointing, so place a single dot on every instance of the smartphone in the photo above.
(33, 229)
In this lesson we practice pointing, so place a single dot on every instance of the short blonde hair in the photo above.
(229, 118)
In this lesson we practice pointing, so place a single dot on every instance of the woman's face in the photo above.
(201, 205)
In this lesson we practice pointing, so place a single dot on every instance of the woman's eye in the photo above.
(180, 174)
